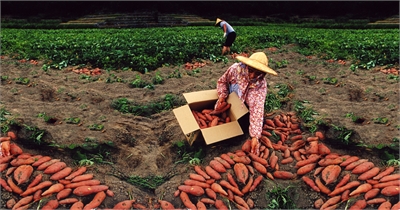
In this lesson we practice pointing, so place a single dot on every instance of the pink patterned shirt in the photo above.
(251, 93)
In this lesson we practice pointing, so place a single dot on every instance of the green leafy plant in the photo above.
(96, 127)
(354, 118)
(149, 182)
(187, 155)
(329, 80)
(73, 120)
(279, 198)
(380, 120)
(344, 134)
(47, 118)
(22, 80)
(158, 79)
(175, 74)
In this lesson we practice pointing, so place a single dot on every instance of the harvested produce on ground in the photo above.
(82, 177)
(81, 170)
(283, 175)
(64, 193)
(241, 172)
(55, 188)
(383, 173)
(330, 173)
(193, 190)
(186, 201)
(50, 205)
(96, 201)
(310, 183)
(23, 173)
(166, 205)
(359, 204)
(87, 190)
(218, 189)
(123, 205)
(369, 174)
(61, 174)
(363, 188)
(390, 191)
(55, 167)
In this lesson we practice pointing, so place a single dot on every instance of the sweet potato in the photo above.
(390, 178)
(231, 179)
(318, 171)
(310, 183)
(191, 182)
(372, 182)
(166, 205)
(273, 161)
(246, 146)
(371, 193)
(385, 205)
(186, 201)
(15, 149)
(311, 159)
(345, 179)
(218, 189)
(363, 188)
(55, 188)
(318, 203)
(234, 189)
(41, 160)
(208, 201)
(87, 190)
(91, 182)
(55, 167)
(63, 193)
(212, 173)
(359, 204)
(242, 159)
(330, 173)
(197, 177)
(50, 205)
(4, 184)
(323, 149)
(306, 169)
(286, 160)
(330, 161)
(220, 205)
(344, 187)
(81, 170)
(266, 141)
(283, 175)
(68, 201)
(376, 201)
(226, 164)
(321, 186)
(46, 164)
(61, 174)
(22, 161)
(82, 177)
(246, 188)
(297, 145)
(258, 159)
(200, 171)
(388, 183)
(12, 135)
(64, 181)
(13, 186)
(363, 167)
(217, 166)
(331, 201)
(250, 202)
(345, 195)
(256, 182)
(39, 186)
(192, 189)
(110, 193)
(10, 203)
(390, 191)
(96, 201)
(211, 193)
(241, 172)
(6, 159)
(396, 206)
(227, 158)
(349, 160)
(369, 174)
(260, 168)
(3, 166)
(352, 165)
(23, 201)
(241, 201)
(124, 205)
(383, 173)
(77, 206)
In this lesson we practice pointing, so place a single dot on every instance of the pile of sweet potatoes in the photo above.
(208, 117)
(338, 178)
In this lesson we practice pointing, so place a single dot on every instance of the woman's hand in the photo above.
(255, 146)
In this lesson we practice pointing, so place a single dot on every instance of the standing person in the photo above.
(229, 34)
(247, 79)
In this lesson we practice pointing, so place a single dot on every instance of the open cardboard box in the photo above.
(206, 100)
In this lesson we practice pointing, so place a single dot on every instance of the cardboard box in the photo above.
(206, 100)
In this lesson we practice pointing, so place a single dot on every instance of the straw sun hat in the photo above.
(217, 21)
(258, 61)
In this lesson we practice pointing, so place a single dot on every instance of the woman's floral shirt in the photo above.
(251, 93)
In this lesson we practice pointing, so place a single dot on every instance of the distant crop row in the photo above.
(146, 49)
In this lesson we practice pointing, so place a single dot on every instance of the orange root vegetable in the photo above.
(258, 159)
(270, 122)
(371, 193)
(211, 193)
(123, 205)
(68, 201)
(23, 202)
(231, 179)
(227, 158)
(3, 166)
(82, 177)
(220, 205)
(297, 156)
(306, 169)
(216, 165)
(330, 173)
(273, 160)
(246, 188)
(191, 182)
(241, 201)
(349, 160)
(330, 161)
(347, 186)
(369, 174)
(363, 167)
(390, 191)
(234, 189)
(96, 201)
(310, 183)
(331, 201)
(283, 175)
(21, 161)
(251, 169)
(246, 146)
(22, 173)
(323, 149)
(208, 201)
(87, 190)
(200, 205)
(318, 203)
(260, 168)
(55, 188)
(200, 171)
(63, 193)
(55, 167)
(296, 137)
(287, 160)
(352, 165)
(320, 135)
(46, 164)
(4, 185)
(242, 159)
(186, 201)
(390, 178)
(250, 202)
(363, 188)
(396, 206)
(297, 145)
(81, 170)
(5, 138)
(383, 173)
(12, 135)
(318, 171)
(61, 174)
(386, 184)
(212, 173)
(192, 189)
(321, 186)
(15, 149)
(218, 189)
(385, 205)
(311, 159)
(90, 182)
(10, 203)
(359, 204)
(345, 179)
(41, 160)
(13, 186)
(33, 189)
(256, 182)
(345, 195)
(223, 162)
(6, 159)
(266, 141)
(376, 201)
(10, 170)
(270, 176)
(51, 205)
(197, 177)
(312, 138)
(241, 172)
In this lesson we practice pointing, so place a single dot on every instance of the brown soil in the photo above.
(144, 146)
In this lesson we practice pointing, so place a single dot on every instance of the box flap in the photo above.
(186, 119)
(221, 132)
(237, 109)
(204, 95)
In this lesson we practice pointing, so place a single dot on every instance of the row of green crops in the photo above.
(146, 49)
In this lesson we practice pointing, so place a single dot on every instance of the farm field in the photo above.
(120, 124)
